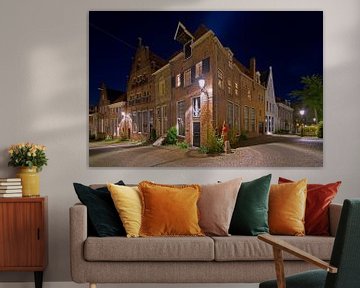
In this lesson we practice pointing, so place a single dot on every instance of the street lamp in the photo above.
(302, 113)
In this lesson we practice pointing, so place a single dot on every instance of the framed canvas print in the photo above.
(205, 89)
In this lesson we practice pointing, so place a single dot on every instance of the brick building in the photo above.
(285, 117)
(105, 118)
(141, 91)
(162, 94)
(232, 93)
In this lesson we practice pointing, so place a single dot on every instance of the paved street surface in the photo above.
(264, 151)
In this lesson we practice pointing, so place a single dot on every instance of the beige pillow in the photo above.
(216, 206)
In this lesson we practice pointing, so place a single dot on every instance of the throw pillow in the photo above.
(287, 204)
(250, 215)
(102, 216)
(216, 206)
(127, 201)
(169, 210)
(318, 200)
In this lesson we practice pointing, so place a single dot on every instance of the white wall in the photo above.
(44, 97)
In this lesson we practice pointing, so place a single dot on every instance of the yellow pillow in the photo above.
(287, 204)
(169, 210)
(127, 201)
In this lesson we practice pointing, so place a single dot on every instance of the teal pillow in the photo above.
(103, 219)
(250, 216)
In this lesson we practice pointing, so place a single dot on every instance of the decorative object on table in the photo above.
(10, 187)
(30, 158)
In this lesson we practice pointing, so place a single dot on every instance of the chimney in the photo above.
(140, 41)
(253, 67)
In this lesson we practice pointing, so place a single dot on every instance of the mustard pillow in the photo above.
(287, 204)
(127, 201)
(169, 210)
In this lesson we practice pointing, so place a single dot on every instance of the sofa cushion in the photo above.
(149, 249)
(250, 215)
(287, 204)
(169, 210)
(216, 206)
(102, 216)
(245, 248)
(318, 199)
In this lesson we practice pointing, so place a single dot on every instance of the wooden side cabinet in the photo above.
(23, 235)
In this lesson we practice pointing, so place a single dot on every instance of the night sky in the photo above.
(290, 42)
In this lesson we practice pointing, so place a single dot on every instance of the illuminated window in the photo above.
(181, 118)
(178, 80)
(236, 88)
(198, 69)
(229, 86)
(196, 106)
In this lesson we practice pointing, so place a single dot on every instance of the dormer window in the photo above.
(187, 49)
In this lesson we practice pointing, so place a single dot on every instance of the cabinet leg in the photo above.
(38, 279)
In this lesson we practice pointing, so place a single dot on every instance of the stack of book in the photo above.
(10, 187)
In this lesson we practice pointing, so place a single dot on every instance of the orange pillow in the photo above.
(169, 210)
(287, 204)
(318, 200)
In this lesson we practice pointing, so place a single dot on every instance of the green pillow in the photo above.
(103, 218)
(250, 216)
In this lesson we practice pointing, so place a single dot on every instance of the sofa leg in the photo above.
(92, 285)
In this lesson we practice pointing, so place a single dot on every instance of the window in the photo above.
(230, 115)
(198, 69)
(151, 120)
(220, 75)
(145, 121)
(187, 77)
(246, 118)
(178, 80)
(252, 119)
(229, 86)
(236, 88)
(187, 49)
(162, 87)
(236, 118)
(139, 122)
(196, 107)
(181, 118)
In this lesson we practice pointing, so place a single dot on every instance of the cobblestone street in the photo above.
(278, 151)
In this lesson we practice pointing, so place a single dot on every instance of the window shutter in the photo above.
(206, 65)
(173, 81)
(193, 74)
(182, 80)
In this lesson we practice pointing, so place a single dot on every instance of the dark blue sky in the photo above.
(290, 42)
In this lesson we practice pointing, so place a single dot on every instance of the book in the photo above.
(12, 190)
(5, 195)
(10, 183)
(10, 179)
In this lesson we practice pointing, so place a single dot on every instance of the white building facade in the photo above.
(271, 109)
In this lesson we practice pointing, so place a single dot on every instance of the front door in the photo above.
(196, 134)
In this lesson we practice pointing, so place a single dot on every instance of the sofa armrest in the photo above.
(78, 235)
(334, 217)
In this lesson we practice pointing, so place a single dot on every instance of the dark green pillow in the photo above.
(103, 218)
(250, 216)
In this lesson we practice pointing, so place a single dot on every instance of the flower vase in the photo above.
(30, 181)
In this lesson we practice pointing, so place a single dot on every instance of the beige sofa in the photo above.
(234, 259)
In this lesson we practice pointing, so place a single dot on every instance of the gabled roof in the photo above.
(182, 35)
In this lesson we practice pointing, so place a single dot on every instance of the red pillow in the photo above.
(318, 200)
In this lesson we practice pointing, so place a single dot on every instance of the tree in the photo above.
(311, 95)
